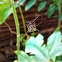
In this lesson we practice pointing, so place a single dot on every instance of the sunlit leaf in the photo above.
(5, 11)
(33, 47)
(39, 39)
(20, 3)
(51, 9)
(54, 45)
(30, 4)
(23, 57)
(42, 5)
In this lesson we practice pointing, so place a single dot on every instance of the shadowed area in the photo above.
(46, 27)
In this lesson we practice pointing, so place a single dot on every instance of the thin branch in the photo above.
(9, 28)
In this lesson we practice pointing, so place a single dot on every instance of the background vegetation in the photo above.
(38, 51)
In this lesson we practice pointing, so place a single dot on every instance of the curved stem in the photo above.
(9, 28)
(17, 27)
(59, 13)
(22, 18)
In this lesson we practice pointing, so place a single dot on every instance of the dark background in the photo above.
(47, 26)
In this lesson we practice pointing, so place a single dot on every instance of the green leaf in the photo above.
(42, 5)
(58, 59)
(23, 57)
(45, 53)
(30, 4)
(20, 3)
(7, 1)
(5, 11)
(54, 45)
(33, 47)
(51, 9)
(39, 39)
(35, 59)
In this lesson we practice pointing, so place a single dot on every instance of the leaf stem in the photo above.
(17, 27)
(59, 13)
(22, 18)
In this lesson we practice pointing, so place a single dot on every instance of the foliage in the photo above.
(30, 4)
(6, 9)
(39, 52)
(41, 5)
(59, 59)
(51, 9)
(20, 3)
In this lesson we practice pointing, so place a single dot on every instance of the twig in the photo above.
(9, 28)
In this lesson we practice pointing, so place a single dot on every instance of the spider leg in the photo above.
(37, 30)
(27, 32)
(36, 18)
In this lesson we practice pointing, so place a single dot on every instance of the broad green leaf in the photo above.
(7, 1)
(58, 59)
(39, 39)
(5, 11)
(34, 48)
(51, 9)
(23, 57)
(35, 59)
(45, 53)
(30, 4)
(20, 3)
(42, 5)
(4, 5)
(54, 45)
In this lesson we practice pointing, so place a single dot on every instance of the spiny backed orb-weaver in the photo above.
(31, 25)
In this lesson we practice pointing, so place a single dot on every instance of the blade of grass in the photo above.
(17, 26)
(59, 10)
(22, 17)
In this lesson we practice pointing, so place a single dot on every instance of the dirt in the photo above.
(47, 26)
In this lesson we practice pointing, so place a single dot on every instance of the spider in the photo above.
(31, 25)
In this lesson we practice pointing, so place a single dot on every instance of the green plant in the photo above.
(32, 2)
(39, 52)
(6, 8)
(51, 9)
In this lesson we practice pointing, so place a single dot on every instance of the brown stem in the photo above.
(9, 28)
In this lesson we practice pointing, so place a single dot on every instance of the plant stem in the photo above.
(17, 27)
(22, 18)
(59, 13)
